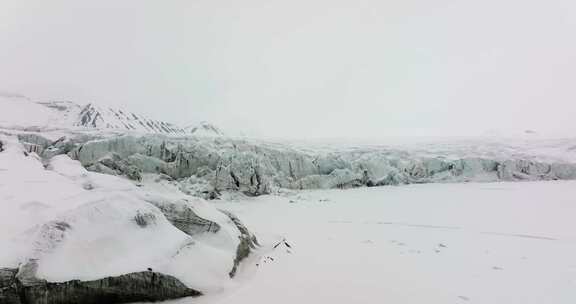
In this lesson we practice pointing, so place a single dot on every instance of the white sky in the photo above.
(304, 68)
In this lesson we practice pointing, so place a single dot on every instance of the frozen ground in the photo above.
(435, 243)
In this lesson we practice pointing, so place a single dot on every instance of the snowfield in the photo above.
(495, 243)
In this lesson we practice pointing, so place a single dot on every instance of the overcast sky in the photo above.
(304, 68)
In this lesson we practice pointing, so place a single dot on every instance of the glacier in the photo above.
(256, 167)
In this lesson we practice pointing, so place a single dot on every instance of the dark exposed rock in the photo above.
(145, 286)
(204, 128)
(144, 219)
(248, 242)
(211, 194)
(8, 286)
(184, 218)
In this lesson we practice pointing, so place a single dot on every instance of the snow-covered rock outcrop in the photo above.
(74, 236)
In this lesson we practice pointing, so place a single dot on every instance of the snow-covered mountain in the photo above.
(21, 112)
(94, 116)
(205, 129)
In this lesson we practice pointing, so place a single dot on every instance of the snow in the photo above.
(27, 192)
(430, 243)
(20, 112)
(434, 243)
(82, 225)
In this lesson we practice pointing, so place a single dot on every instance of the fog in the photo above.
(304, 69)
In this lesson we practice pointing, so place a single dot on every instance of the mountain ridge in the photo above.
(20, 111)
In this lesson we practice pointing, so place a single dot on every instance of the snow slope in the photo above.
(20, 112)
(494, 243)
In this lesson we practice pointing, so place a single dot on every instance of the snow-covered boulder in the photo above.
(75, 236)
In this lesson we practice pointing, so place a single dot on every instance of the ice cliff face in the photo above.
(257, 168)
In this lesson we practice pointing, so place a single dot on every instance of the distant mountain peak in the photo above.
(204, 128)
(21, 112)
